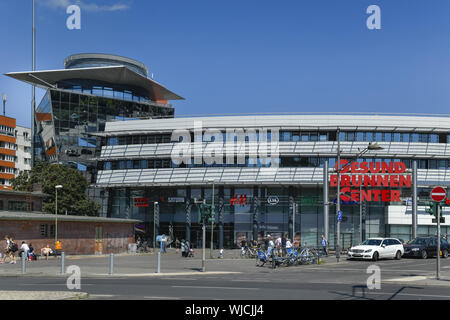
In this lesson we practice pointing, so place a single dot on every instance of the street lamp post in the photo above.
(33, 100)
(56, 213)
(154, 226)
(212, 221)
(371, 146)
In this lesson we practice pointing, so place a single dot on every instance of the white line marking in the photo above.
(410, 294)
(162, 298)
(201, 287)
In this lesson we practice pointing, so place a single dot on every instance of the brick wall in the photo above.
(76, 237)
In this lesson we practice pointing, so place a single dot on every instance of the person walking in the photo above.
(12, 250)
(6, 252)
(283, 244)
(324, 243)
(164, 242)
(183, 248)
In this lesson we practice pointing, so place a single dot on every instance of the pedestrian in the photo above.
(243, 246)
(183, 248)
(278, 245)
(24, 249)
(271, 246)
(266, 242)
(177, 245)
(12, 250)
(324, 243)
(221, 253)
(6, 248)
(31, 255)
(164, 242)
(283, 244)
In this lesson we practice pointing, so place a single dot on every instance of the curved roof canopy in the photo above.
(119, 75)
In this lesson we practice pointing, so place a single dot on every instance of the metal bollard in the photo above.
(63, 258)
(111, 263)
(23, 262)
(159, 263)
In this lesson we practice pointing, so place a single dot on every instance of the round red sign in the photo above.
(438, 194)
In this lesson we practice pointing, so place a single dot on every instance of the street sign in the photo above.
(441, 221)
(339, 216)
(438, 194)
(273, 200)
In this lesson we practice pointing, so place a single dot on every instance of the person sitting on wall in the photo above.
(46, 251)
(31, 254)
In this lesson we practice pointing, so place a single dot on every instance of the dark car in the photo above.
(425, 247)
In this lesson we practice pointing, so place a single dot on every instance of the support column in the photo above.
(290, 214)
(414, 201)
(325, 201)
(188, 214)
(255, 205)
(220, 212)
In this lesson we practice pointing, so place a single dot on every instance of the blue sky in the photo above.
(249, 56)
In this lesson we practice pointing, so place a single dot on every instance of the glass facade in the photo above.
(65, 120)
(238, 216)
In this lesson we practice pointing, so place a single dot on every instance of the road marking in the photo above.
(162, 298)
(102, 295)
(416, 278)
(410, 294)
(202, 287)
(250, 280)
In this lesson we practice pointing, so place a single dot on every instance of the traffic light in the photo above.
(157, 215)
(432, 208)
(212, 212)
(205, 213)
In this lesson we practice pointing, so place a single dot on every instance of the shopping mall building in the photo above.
(270, 173)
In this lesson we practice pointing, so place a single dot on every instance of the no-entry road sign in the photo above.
(438, 194)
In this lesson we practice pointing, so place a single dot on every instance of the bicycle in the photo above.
(307, 255)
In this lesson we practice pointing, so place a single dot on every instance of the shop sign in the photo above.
(238, 199)
(273, 200)
(308, 201)
(141, 202)
(176, 199)
(386, 175)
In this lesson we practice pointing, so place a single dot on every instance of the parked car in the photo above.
(424, 247)
(377, 248)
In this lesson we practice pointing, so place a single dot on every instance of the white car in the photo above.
(377, 248)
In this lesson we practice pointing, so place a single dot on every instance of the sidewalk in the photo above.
(42, 295)
(140, 264)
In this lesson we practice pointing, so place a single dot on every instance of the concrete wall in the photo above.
(76, 237)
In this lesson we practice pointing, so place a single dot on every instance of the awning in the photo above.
(118, 75)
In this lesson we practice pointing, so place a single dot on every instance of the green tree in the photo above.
(72, 197)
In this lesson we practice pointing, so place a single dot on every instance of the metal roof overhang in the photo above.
(118, 75)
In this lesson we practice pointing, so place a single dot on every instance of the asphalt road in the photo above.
(330, 281)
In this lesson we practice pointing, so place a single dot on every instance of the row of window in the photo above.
(286, 162)
(7, 145)
(291, 136)
(143, 139)
(8, 170)
(47, 230)
(6, 130)
(17, 206)
(394, 137)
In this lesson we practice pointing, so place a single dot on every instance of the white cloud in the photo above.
(90, 7)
